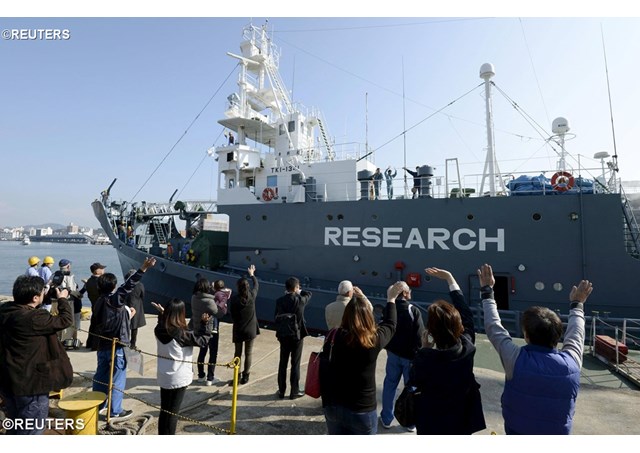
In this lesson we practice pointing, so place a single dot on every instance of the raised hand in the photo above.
(581, 292)
(158, 307)
(439, 273)
(149, 261)
(251, 269)
(485, 274)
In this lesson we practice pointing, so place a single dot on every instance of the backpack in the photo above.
(287, 326)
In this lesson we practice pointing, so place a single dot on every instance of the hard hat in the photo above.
(48, 260)
(34, 260)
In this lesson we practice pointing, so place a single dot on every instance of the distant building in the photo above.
(44, 231)
(72, 229)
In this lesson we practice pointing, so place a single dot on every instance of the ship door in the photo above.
(501, 292)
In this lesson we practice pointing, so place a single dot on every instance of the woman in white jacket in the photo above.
(175, 350)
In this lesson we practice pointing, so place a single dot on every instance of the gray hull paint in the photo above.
(574, 237)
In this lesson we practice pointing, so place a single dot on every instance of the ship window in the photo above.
(374, 273)
(272, 181)
(536, 216)
(296, 179)
(264, 217)
(301, 127)
(329, 217)
(248, 217)
(281, 129)
(374, 217)
(539, 286)
(469, 216)
(340, 217)
(263, 261)
(557, 286)
(231, 156)
(292, 126)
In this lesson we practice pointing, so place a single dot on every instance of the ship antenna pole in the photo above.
(404, 134)
(366, 123)
(613, 130)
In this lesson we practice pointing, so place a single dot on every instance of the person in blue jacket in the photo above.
(541, 382)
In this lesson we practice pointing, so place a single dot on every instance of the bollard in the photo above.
(83, 409)
(234, 395)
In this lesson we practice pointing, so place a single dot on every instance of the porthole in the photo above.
(374, 217)
(340, 217)
(557, 286)
(469, 216)
(329, 217)
(536, 216)
(539, 286)
(374, 273)
(263, 261)
(264, 217)
(247, 217)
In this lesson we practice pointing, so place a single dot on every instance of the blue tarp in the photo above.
(541, 185)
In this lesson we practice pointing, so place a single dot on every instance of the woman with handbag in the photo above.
(447, 399)
(347, 370)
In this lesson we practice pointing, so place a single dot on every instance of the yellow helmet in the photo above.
(34, 260)
(48, 260)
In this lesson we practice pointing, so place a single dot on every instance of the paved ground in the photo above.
(606, 404)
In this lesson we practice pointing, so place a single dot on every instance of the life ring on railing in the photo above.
(562, 181)
(268, 194)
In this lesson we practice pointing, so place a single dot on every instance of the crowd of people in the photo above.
(434, 358)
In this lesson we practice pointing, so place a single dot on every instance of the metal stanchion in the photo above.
(234, 395)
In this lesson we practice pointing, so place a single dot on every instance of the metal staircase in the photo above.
(325, 138)
(159, 229)
(631, 228)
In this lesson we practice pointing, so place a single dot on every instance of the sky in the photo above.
(114, 98)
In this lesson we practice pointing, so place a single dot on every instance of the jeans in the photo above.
(212, 347)
(27, 411)
(396, 367)
(389, 191)
(341, 420)
(170, 400)
(119, 378)
(290, 347)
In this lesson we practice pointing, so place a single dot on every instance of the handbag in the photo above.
(312, 381)
(405, 407)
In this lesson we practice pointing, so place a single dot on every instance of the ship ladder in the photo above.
(277, 83)
(325, 138)
(632, 230)
(159, 229)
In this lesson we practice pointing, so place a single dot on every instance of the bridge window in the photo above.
(281, 129)
(292, 126)
(272, 181)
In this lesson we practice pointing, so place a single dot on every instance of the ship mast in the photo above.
(491, 169)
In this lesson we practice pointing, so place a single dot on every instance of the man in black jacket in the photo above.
(111, 319)
(32, 361)
(401, 350)
(290, 307)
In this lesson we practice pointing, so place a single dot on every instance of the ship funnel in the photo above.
(487, 71)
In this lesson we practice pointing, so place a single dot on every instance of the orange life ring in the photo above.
(268, 194)
(562, 181)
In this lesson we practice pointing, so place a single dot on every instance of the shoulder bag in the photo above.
(312, 382)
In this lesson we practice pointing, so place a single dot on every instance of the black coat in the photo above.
(294, 303)
(32, 361)
(243, 315)
(135, 299)
(449, 401)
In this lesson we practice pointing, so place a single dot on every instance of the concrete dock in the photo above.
(607, 404)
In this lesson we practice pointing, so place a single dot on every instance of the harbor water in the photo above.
(14, 256)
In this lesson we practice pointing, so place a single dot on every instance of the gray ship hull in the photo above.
(539, 247)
